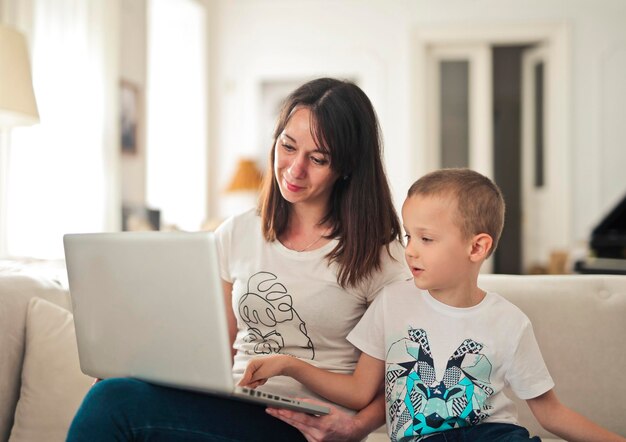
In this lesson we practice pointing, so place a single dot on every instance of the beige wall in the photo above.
(372, 41)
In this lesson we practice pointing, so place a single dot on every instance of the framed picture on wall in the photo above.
(129, 116)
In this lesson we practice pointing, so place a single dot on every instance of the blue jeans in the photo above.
(131, 410)
(485, 433)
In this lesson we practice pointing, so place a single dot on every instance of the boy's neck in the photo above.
(462, 296)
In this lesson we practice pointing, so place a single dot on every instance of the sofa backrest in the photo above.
(15, 292)
(580, 324)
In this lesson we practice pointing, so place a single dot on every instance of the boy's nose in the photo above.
(410, 251)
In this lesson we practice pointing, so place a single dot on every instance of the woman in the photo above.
(298, 273)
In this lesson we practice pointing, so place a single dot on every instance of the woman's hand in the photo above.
(337, 426)
(260, 369)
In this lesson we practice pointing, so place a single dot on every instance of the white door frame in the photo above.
(536, 201)
(553, 36)
(480, 112)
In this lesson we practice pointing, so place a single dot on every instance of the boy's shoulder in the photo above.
(505, 307)
(397, 293)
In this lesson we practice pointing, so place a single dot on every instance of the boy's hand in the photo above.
(259, 370)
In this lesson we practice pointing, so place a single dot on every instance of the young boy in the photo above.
(445, 349)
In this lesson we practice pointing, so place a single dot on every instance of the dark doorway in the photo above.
(507, 107)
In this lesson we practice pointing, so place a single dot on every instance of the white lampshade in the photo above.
(17, 99)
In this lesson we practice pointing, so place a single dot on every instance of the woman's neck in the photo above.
(305, 219)
(304, 231)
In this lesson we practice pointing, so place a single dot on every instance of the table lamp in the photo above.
(17, 99)
(17, 106)
(242, 191)
(247, 177)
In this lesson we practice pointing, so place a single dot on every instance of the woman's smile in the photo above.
(292, 187)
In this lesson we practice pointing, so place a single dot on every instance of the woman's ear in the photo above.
(481, 246)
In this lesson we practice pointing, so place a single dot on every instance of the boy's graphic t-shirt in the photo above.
(290, 302)
(446, 367)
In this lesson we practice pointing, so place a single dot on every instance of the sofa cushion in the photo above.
(15, 292)
(51, 375)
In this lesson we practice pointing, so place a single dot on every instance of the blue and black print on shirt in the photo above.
(418, 403)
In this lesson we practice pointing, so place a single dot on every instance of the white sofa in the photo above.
(579, 321)
(41, 384)
(580, 324)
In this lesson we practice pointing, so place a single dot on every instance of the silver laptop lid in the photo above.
(120, 280)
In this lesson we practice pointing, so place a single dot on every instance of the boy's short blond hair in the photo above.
(479, 201)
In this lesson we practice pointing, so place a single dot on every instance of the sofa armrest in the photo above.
(15, 292)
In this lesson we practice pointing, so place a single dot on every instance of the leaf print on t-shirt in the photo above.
(273, 323)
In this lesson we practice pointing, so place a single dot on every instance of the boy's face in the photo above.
(437, 252)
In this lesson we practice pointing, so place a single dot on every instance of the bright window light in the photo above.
(57, 174)
(176, 153)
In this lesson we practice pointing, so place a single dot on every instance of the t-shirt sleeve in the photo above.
(223, 236)
(393, 269)
(528, 375)
(368, 335)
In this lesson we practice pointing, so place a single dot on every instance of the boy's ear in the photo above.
(481, 245)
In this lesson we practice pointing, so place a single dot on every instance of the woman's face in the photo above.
(302, 171)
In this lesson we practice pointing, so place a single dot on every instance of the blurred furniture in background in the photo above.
(140, 218)
(607, 244)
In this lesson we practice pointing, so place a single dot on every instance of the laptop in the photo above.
(150, 306)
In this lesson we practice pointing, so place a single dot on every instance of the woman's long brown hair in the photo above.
(361, 212)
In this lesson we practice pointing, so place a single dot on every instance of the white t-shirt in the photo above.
(446, 367)
(290, 302)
